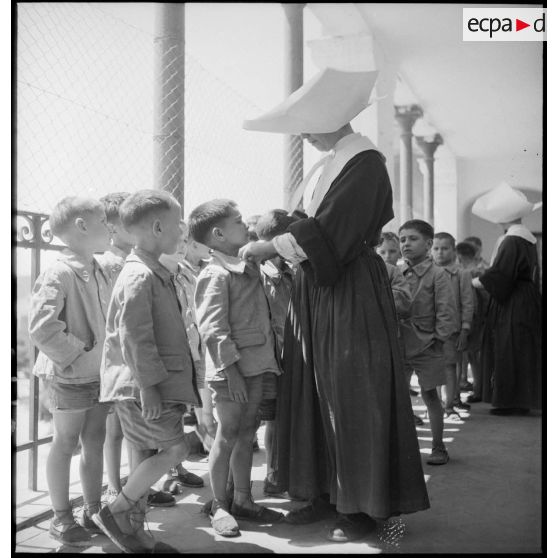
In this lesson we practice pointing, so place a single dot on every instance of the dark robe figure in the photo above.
(512, 341)
(345, 425)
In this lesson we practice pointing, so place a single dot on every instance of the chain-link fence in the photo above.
(85, 116)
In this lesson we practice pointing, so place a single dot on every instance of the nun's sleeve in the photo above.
(500, 278)
(287, 247)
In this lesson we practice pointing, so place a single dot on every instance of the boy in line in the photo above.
(67, 324)
(277, 278)
(466, 256)
(389, 251)
(233, 318)
(184, 283)
(147, 366)
(432, 320)
(443, 252)
(113, 261)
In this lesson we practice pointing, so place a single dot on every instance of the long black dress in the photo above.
(344, 419)
(511, 352)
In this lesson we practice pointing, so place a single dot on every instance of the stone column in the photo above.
(428, 146)
(406, 116)
(294, 78)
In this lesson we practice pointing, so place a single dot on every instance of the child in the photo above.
(432, 321)
(147, 366)
(277, 278)
(443, 251)
(113, 261)
(233, 318)
(184, 283)
(466, 256)
(388, 249)
(480, 263)
(67, 324)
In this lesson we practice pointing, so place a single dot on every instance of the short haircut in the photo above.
(466, 249)
(204, 217)
(474, 240)
(388, 236)
(112, 203)
(424, 228)
(141, 205)
(273, 223)
(70, 208)
(253, 220)
(446, 236)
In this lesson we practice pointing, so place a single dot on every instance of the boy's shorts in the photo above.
(451, 354)
(268, 405)
(72, 397)
(158, 434)
(262, 386)
(429, 367)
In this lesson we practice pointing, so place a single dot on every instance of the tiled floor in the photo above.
(486, 499)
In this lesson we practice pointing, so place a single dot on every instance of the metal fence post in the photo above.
(294, 77)
(168, 125)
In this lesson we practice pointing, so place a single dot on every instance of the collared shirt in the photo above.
(233, 317)
(112, 261)
(146, 343)
(433, 310)
(278, 285)
(67, 319)
(462, 286)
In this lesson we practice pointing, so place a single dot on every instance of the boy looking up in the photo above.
(233, 318)
(443, 251)
(147, 367)
(67, 324)
(431, 322)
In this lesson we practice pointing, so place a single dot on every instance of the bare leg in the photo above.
(67, 427)
(436, 415)
(270, 450)
(113, 451)
(91, 462)
(449, 388)
(143, 475)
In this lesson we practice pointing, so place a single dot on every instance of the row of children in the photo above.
(121, 349)
(440, 317)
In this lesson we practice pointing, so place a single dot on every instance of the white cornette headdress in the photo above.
(327, 102)
(503, 204)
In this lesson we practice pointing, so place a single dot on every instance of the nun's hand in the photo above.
(257, 251)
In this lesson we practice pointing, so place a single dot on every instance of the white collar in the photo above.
(345, 141)
(522, 231)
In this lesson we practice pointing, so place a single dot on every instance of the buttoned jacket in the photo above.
(67, 319)
(433, 312)
(234, 317)
(146, 343)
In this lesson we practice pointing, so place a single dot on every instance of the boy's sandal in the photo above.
(127, 543)
(68, 532)
(261, 514)
(226, 525)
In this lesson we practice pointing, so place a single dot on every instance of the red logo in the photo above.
(519, 25)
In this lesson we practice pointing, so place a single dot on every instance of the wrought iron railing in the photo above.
(34, 234)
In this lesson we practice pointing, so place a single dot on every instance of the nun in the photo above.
(346, 439)
(511, 350)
